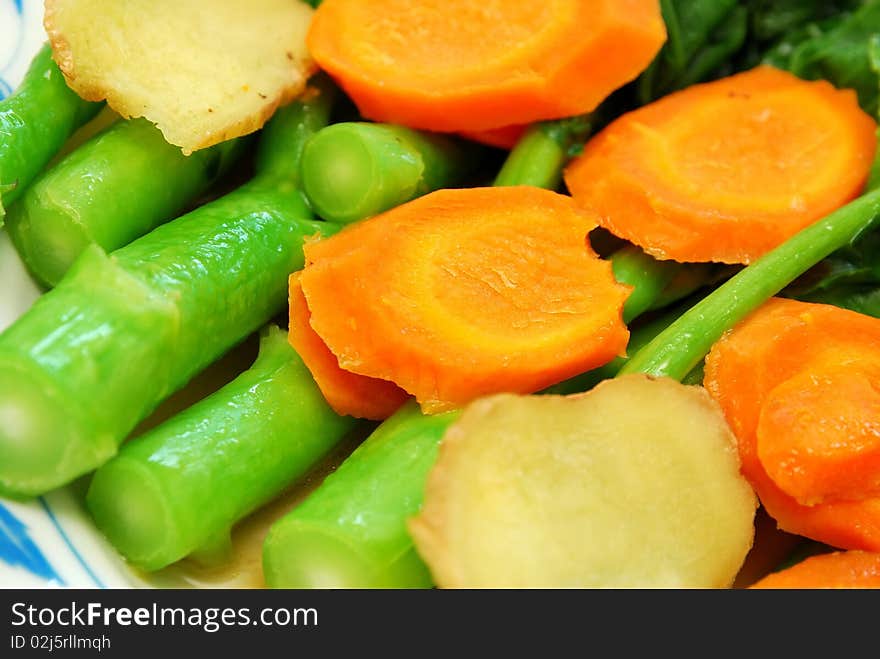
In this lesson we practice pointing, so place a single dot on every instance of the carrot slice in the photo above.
(347, 393)
(454, 65)
(819, 434)
(747, 369)
(726, 170)
(466, 292)
(505, 137)
(839, 569)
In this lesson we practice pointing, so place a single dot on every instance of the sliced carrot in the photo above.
(347, 393)
(839, 569)
(466, 292)
(726, 170)
(472, 65)
(505, 137)
(819, 433)
(746, 371)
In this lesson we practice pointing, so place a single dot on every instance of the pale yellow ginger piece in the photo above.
(635, 484)
(203, 71)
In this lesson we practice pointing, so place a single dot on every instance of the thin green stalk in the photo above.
(679, 349)
(541, 153)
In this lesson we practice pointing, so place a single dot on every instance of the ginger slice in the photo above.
(203, 71)
(635, 484)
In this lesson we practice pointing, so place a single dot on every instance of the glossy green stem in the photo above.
(181, 487)
(116, 187)
(647, 276)
(679, 349)
(95, 355)
(542, 152)
(353, 170)
(351, 531)
(34, 123)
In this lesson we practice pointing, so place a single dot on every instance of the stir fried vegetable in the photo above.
(525, 364)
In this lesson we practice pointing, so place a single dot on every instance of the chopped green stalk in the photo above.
(351, 531)
(647, 276)
(353, 170)
(34, 123)
(119, 333)
(114, 188)
(542, 152)
(180, 487)
(678, 350)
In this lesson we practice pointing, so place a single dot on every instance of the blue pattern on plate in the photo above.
(17, 548)
(70, 545)
(6, 86)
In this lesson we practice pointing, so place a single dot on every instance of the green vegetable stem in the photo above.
(35, 121)
(180, 487)
(95, 355)
(353, 170)
(350, 532)
(114, 188)
(541, 153)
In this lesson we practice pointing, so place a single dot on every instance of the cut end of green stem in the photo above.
(128, 506)
(297, 555)
(38, 444)
(340, 176)
(47, 238)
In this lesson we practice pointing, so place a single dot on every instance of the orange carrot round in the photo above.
(466, 292)
(471, 65)
(726, 170)
(347, 393)
(756, 373)
(819, 433)
(840, 569)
